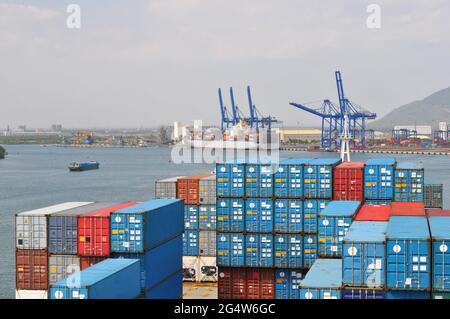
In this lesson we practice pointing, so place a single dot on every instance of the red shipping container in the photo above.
(438, 212)
(408, 209)
(232, 283)
(86, 262)
(348, 181)
(94, 231)
(31, 269)
(188, 188)
(260, 283)
(374, 213)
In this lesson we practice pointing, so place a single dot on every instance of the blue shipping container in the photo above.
(259, 215)
(230, 215)
(258, 250)
(207, 217)
(191, 243)
(169, 288)
(288, 179)
(318, 178)
(230, 179)
(109, 279)
(408, 253)
(379, 178)
(288, 215)
(401, 294)
(333, 224)
(287, 283)
(288, 251)
(358, 293)
(309, 250)
(323, 280)
(144, 226)
(364, 255)
(230, 249)
(158, 263)
(409, 182)
(190, 217)
(63, 228)
(311, 208)
(440, 237)
(259, 180)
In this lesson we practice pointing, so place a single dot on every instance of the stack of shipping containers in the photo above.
(199, 237)
(151, 232)
(433, 194)
(409, 182)
(379, 181)
(32, 262)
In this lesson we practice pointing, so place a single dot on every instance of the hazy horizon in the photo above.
(145, 63)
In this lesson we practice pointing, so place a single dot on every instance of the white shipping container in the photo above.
(31, 294)
(190, 266)
(207, 269)
(31, 226)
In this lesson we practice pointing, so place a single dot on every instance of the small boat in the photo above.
(83, 166)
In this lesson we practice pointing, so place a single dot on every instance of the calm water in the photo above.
(34, 176)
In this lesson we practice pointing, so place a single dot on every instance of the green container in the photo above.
(440, 295)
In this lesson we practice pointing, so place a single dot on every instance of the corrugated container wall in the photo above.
(207, 190)
(259, 250)
(288, 251)
(318, 178)
(170, 288)
(109, 279)
(191, 217)
(311, 209)
(94, 231)
(357, 293)
(434, 196)
(288, 178)
(246, 283)
(323, 280)
(144, 226)
(364, 255)
(63, 228)
(288, 216)
(409, 182)
(348, 181)
(31, 226)
(230, 249)
(207, 217)
(188, 188)
(408, 253)
(61, 266)
(379, 179)
(440, 236)
(167, 188)
(230, 215)
(31, 269)
(207, 243)
(230, 180)
(287, 283)
(333, 224)
(88, 261)
(190, 243)
(259, 180)
(259, 215)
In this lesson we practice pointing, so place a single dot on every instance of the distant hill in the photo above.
(429, 111)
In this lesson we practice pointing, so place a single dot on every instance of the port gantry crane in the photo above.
(255, 120)
(333, 119)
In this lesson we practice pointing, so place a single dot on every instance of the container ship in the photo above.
(83, 166)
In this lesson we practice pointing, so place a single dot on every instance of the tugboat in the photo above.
(83, 166)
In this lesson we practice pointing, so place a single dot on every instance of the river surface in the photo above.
(36, 176)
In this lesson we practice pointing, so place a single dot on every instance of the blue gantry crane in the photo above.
(255, 120)
(333, 118)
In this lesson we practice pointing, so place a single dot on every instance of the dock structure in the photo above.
(373, 151)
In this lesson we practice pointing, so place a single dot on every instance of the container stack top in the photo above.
(408, 209)
(325, 161)
(381, 161)
(408, 227)
(84, 209)
(170, 179)
(53, 209)
(96, 273)
(409, 165)
(197, 176)
(438, 212)
(324, 273)
(366, 231)
(147, 206)
(351, 165)
(375, 213)
(105, 212)
(440, 227)
(341, 208)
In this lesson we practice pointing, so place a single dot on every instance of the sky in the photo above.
(143, 63)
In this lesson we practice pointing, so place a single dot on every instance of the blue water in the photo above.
(35, 176)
